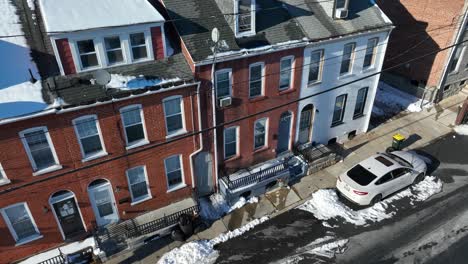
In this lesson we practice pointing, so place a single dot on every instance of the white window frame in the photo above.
(228, 70)
(3, 176)
(321, 62)
(78, 54)
(60, 198)
(139, 199)
(54, 167)
(182, 113)
(343, 110)
(148, 44)
(374, 53)
(140, 142)
(122, 49)
(180, 185)
(291, 78)
(236, 128)
(265, 135)
(96, 155)
(262, 78)
(252, 20)
(351, 59)
(12, 230)
(462, 54)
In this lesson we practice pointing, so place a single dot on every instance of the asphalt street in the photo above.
(424, 232)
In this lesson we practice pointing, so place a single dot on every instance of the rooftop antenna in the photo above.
(102, 77)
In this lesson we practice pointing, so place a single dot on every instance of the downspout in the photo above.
(213, 106)
(192, 170)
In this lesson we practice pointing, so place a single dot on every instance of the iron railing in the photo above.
(257, 176)
(55, 260)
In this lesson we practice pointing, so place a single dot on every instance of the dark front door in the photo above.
(284, 133)
(69, 217)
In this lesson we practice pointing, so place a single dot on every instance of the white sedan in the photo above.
(381, 175)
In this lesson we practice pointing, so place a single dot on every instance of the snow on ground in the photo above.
(330, 249)
(69, 248)
(125, 82)
(461, 130)
(325, 204)
(18, 96)
(390, 100)
(202, 251)
(216, 206)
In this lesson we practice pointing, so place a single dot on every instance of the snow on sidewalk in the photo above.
(461, 130)
(216, 206)
(202, 251)
(325, 204)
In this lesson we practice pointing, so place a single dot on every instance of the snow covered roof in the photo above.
(74, 15)
(18, 96)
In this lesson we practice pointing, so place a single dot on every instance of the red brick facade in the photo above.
(18, 168)
(66, 58)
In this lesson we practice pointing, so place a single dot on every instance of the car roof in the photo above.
(379, 164)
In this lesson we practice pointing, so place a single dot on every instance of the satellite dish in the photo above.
(102, 77)
(215, 35)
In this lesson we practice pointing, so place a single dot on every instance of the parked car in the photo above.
(381, 175)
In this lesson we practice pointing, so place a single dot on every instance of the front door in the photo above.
(284, 130)
(204, 173)
(305, 126)
(69, 217)
(103, 203)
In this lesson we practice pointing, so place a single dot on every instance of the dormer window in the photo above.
(245, 19)
(341, 9)
(87, 52)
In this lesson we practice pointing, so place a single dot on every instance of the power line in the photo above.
(145, 148)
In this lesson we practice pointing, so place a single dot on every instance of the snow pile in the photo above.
(330, 249)
(125, 82)
(216, 206)
(389, 100)
(325, 204)
(202, 251)
(461, 130)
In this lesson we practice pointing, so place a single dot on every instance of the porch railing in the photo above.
(55, 260)
(257, 176)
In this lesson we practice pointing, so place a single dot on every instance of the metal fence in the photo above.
(257, 176)
(55, 260)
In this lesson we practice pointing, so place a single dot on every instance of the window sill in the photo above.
(95, 156)
(286, 91)
(257, 98)
(5, 182)
(175, 134)
(29, 239)
(368, 69)
(311, 84)
(137, 144)
(337, 124)
(177, 187)
(346, 76)
(233, 158)
(47, 170)
(262, 149)
(358, 116)
(141, 200)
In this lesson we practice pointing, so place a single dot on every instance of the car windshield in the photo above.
(361, 175)
(400, 161)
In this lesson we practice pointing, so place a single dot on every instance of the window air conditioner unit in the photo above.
(225, 101)
(341, 13)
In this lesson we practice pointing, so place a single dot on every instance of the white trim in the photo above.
(77, 56)
(291, 78)
(462, 54)
(182, 113)
(53, 201)
(252, 19)
(351, 59)
(140, 199)
(108, 185)
(229, 70)
(374, 54)
(3, 176)
(181, 165)
(91, 156)
(309, 52)
(122, 50)
(265, 135)
(262, 78)
(12, 230)
(236, 128)
(148, 45)
(53, 167)
(142, 141)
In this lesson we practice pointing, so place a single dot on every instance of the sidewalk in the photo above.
(419, 128)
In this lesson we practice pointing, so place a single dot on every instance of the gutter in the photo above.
(213, 106)
(192, 170)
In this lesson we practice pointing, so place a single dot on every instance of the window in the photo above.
(223, 83)
(138, 46)
(39, 148)
(89, 136)
(370, 52)
(361, 175)
(87, 53)
(399, 172)
(340, 4)
(256, 80)
(3, 177)
(174, 118)
(174, 172)
(245, 17)
(454, 65)
(113, 50)
(285, 73)
(384, 161)
(230, 142)
(360, 102)
(260, 133)
(132, 119)
(386, 178)
(348, 57)
(138, 184)
(339, 110)
(20, 223)
(315, 66)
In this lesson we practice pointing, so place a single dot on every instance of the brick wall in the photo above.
(462, 114)
(19, 171)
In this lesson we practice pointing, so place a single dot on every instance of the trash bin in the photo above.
(397, 141)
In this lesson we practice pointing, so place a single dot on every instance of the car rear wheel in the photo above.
(419, 178)
(376, 199)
